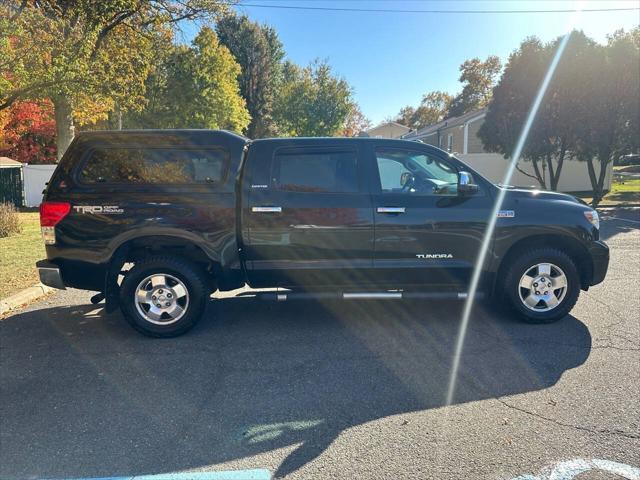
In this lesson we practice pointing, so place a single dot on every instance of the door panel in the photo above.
(313, 223)
(425, 234)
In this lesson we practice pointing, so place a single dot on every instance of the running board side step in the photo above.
(284, 296)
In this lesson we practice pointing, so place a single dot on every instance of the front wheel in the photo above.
(542, 285)
(163, 296)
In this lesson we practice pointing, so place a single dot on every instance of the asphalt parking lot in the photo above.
(328, 390)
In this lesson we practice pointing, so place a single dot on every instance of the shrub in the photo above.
(9, 220)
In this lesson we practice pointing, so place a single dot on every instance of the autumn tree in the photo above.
(432, 109)
(405, 116)
(86, 57)
(478, 78)
(194, 87)
(259, 52)
(312, 101)
(355, 123)
(27, 132)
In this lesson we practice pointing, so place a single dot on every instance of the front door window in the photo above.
(414, 173)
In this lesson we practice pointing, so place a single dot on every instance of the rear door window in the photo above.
(154, 166)
(315, 171)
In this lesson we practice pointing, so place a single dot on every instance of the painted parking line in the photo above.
(570, 469)
(609, 217)
(256, 474)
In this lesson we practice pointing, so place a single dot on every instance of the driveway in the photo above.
(351, 389)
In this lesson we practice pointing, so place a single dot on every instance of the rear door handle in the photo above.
(266, 209)
(390, 210)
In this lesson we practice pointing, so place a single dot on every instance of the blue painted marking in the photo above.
(256, 474)
(570, 469)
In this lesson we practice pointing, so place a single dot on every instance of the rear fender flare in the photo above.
(120, 247)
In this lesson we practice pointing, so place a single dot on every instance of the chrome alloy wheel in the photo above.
(161, 299)
(542, 287)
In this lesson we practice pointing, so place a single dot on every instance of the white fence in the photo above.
(573, 178)
(35, 178)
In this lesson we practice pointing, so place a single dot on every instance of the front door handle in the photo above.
(390, 210)
(266, 209)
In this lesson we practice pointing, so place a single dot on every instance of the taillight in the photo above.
(50, 214)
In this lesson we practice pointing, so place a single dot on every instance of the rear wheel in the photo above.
(163, 296)
(542, 285)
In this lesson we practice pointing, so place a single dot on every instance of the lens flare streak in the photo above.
(491, 222)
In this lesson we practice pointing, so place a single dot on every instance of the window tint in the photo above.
(390, 174)
(299, 171)
(155, 166)
(415, 173)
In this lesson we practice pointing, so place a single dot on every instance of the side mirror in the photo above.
(465, 185)
(405, 178)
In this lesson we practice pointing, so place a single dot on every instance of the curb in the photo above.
(23, 297)
(622, 205)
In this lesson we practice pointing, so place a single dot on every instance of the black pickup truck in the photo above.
(155, 221)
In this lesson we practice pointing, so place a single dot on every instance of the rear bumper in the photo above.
(50, 274)
(599, 252)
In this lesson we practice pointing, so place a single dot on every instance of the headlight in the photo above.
(592, 217)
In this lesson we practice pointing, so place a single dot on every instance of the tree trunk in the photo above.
(596, 192)
(603, 173)
(603, 158)
(539, 176)
(118, 113)
(554, 176)
(549, 162)
(64, 124)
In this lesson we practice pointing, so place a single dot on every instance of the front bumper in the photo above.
(599, 252)
(50, 274)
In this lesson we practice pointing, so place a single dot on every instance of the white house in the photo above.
(388, 130)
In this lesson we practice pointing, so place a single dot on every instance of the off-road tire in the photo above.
(522, 263)
(189, 274)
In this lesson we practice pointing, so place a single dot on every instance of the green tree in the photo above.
(432, 109)
(194, 87)
(312, 101)
(553, 134)
(86, 57)
(478, 78)
(608, 120)
(259, 52)
(217, 102)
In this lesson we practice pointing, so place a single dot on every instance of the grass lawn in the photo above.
(622, 192)
(18, 255)
(627, 191)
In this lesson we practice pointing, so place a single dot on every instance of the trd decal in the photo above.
(99, 209)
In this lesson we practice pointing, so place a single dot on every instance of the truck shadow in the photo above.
(84, 395)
